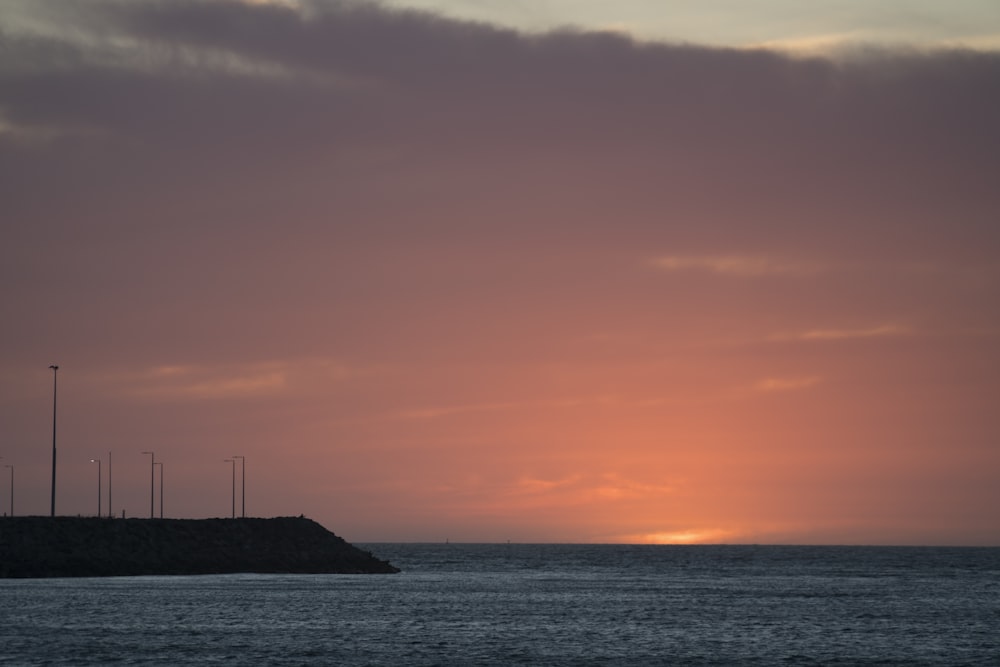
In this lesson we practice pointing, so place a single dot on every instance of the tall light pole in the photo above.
(233, 461)
(160, 463)
(243, 482)
(11, 489)
(109, 485)
(152, 481)
(98, 462)
(55, 375)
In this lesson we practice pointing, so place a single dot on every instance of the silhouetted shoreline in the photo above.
(97, 547)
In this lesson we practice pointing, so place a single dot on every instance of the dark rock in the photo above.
(93, 547)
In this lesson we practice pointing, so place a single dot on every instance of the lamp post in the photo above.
(109, 485)
(160, 463)
(98, 462)
(11, 489)
(152, 482)
(243, 483)
(55, 375)
(233, 461)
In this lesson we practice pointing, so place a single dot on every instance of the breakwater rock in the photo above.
(95, 547)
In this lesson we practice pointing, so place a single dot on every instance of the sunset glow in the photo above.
(686, 537)
(475, 281)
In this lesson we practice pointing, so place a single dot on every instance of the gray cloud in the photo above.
(177, 134)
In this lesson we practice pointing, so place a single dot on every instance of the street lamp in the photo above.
(98, 462)
(55, 375)
(152, 482)
(160, 463)
(243, 482)
(233, 461)
(11, 489)
(109, 485)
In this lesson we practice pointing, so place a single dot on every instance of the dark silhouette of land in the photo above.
(38, 546)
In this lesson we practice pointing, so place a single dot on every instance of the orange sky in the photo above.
(439, 280)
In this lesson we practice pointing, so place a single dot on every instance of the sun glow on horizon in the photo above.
(691, 536)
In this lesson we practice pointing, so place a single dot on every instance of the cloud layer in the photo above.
(410, 263)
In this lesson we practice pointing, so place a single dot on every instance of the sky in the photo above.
(490, 271)
(818, 25)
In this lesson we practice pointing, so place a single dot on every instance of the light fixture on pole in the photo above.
(55, 375)
(98, 462)
(152, 482)
(243, 483)
(233, 461)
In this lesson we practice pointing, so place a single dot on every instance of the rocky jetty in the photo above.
(95, 547)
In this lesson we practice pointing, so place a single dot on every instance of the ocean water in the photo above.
(514, 604)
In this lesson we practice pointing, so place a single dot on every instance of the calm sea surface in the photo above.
(533, 604)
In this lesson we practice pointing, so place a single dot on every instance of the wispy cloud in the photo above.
(737, 265)
(616, 487)
(534, 485)
(451, 410)
(607, 486)
(207, 381)
(210, 382)
(880, 331)
(811, 45)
